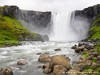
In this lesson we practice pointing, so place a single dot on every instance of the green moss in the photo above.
(94, 59)
(95, 29)
(85, 55)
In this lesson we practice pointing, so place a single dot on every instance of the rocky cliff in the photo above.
(12, 30)
(35, 21)
(92, 14)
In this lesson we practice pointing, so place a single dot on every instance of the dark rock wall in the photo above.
(90, 13)
(35, 21)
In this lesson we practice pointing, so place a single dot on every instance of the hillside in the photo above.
(92, 14)
(12, 31)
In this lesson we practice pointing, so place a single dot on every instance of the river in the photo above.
(28, 51)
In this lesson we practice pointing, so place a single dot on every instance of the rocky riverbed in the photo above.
(23, 59)
(51, 58)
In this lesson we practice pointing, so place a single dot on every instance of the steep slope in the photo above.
(12, 31)
(92, 14)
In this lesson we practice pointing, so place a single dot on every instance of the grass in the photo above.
(95, 29)
(85, 55)
(11, 31)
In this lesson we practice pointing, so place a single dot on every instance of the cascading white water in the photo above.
(61, 27)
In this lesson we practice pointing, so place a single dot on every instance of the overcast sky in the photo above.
(50, 4)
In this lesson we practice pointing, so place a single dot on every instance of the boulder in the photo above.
(58, 49)
(60, 60)
(98, 58)
(73, 72)
(22, 62)
(38, 53)
(59, 70)
(44, 58)
(80, 44)
(6, 71)
(73, 47)
(80, 49)
(89, 46)
(46, 68)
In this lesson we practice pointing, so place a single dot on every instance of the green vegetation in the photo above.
(11, 31)
(95, 29)
(85, 55)
(94, 69)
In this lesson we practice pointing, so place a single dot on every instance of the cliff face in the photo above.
(11, 29)
(92, 14)
(35, 21)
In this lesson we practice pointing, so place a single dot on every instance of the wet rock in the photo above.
(98, 58)
(73, 47)
(6, 71)
(46, 52)
(58, 49)
(73, 72)
(39, 66)
(22, 62)
(46, 68)
(44, 58)
(59, 70)
(80, 49)
(89, 46)
(95, 54)
(60, 60)
(80, 44)
(38, 53)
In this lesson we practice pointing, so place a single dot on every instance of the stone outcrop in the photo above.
(36, 18)
(90, 13)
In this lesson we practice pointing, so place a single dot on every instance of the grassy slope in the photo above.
(95, 29)
(11, 31)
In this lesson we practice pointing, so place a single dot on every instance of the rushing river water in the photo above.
(28, 50)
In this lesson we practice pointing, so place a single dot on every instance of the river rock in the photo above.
(80, 49)
(46, 68)
(60, 60)
(98, 58)
(22, 62)
(38, 53)
(6, 71)
(89, 46)
(73, 72)
(58, 49)
(44, 58)
(59, 70)
(73, 47)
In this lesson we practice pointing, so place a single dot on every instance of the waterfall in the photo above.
(68, 27)
(61, 27)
